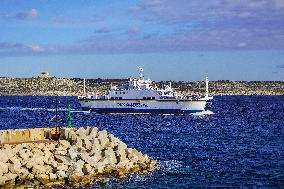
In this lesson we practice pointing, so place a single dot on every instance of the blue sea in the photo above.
(241, 145)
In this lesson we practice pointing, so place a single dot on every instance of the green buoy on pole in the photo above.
(69, 119)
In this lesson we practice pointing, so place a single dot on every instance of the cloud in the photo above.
(36, 48)
(242, 44)
(103, 30)
(216, 10)
(26, 14)
(22, 15)
(133, 31)
(280, 66)
(213, 40)
(19, 49)
(248, 24)
(5, 45)
(76, 21)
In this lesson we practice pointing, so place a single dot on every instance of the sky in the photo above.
(172, 40)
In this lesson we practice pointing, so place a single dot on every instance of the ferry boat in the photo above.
(140, 95)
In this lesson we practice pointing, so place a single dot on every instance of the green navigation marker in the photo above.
(69, 119)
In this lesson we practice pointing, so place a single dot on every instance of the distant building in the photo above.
(44, 74)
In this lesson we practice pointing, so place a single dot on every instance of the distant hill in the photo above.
(74, 86)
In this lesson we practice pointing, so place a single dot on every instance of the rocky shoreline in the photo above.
(79, 157)
(74, 87)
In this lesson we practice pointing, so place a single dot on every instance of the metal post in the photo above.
(207, 91)
(56, 119)
(69, 119)
(84, 87)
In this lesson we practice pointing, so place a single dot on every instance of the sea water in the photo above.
(240, 144)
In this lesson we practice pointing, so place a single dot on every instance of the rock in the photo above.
(110, 155)
(103, 138)
(99, 167)
(72, 135)
(75, 172)
(48, 157)
(93, 132)
(4, 168)
(66, 132)
(87, 144)
(133, 155)
(3, 156)
(53, 164)
(24, 154)
(37, 152)
(43, 178)
(87, 130)
(3, 180)
(64, 143)
(61, 174)
(76, 159)
(79, 143)
(53, 177)
(15, 168)
(37, 169)
(62, 167)
(15, 161)
(60, 151)
(17, 148)
(22, 172)
(11, 176)
(88, 159)
(40, 146)
(50, 146)
(63, 159)
(73, 153)
(96, 145)
(81, 132)
(87, 169)
(121, 155)
(37, 159)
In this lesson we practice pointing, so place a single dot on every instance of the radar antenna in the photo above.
(141, 73)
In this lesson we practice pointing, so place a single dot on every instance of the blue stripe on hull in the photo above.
(131, 110)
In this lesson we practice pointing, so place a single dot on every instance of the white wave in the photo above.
(203, 113)
(40, 109)
(169, 165)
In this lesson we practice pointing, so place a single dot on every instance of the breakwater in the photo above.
(79, 157)
(74, 86)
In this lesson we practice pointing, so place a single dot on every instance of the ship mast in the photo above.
(141, 75)
(207, 91)
(85, 87)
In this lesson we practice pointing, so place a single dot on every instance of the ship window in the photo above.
(153, 98)
(111, 98)
(116, 98)
(120, 98)
(148, 98)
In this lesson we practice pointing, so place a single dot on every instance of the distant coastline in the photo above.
(51, 86)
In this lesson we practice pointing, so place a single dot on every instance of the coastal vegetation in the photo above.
(48, 86)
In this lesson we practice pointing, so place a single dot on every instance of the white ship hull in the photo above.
(145, 106)
(143, 96)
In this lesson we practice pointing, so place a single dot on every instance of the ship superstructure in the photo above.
(140, 95)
